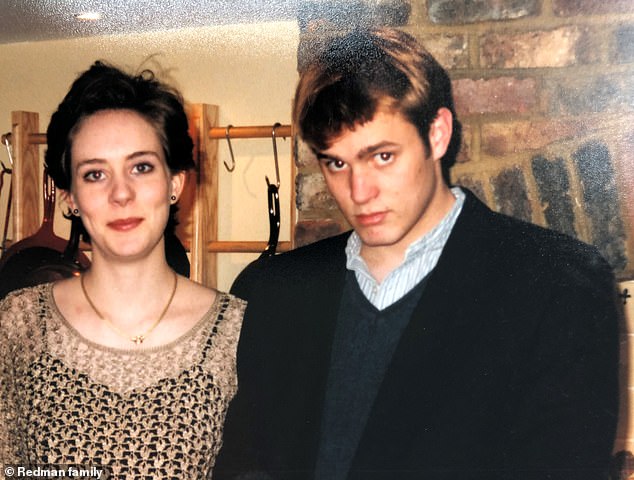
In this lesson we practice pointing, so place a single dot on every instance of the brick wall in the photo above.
(545, 91)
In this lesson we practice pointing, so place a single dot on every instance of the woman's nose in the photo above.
(122, 191)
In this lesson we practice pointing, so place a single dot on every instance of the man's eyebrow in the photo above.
(375, 148)
(361, 153)
(324, 156)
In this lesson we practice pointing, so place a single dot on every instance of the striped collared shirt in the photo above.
(420, 259)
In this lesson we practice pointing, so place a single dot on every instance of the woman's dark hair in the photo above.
(104, 87)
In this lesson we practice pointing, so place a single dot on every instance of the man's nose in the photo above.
(363, 186)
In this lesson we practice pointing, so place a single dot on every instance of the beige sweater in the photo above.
(141, 413)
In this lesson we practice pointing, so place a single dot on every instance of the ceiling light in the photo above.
(88, 16)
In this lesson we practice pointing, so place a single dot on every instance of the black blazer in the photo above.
(507, 368)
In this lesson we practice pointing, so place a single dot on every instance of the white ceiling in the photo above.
(37, 20)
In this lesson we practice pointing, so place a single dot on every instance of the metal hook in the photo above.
(233, 160)
(6, 139)
(277, 167)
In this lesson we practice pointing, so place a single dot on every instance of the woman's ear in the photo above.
(440, 132)
(69, 200)
(177, 185)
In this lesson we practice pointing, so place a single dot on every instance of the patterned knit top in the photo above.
(148, 413)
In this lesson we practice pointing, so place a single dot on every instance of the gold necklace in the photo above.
(137, 339)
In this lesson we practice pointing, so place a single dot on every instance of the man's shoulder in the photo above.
(534, 249)
(321, 252)
(297, 265)
(331, 246)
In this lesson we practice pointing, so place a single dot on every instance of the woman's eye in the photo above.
(93, 176)
(143, 168)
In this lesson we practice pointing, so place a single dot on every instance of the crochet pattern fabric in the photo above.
(145, 413)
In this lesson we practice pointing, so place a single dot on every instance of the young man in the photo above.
(438, 340)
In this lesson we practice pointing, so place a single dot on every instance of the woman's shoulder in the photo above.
(205, 299)
(23, 316)
(18, 304)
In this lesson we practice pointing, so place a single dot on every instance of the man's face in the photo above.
(387, 184)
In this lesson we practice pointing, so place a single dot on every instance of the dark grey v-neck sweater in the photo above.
(365, 340)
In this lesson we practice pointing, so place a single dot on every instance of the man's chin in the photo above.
(377, 240)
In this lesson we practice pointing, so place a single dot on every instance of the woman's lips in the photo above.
(125, 224)
(369, 219)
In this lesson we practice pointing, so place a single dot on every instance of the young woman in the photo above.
(129, 366)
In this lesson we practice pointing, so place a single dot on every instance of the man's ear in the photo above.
(440, 132)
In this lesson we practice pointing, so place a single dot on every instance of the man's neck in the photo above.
(382, 260)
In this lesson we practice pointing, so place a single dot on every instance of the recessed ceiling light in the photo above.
(88, 16)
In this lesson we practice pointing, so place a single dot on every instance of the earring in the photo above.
(76, 212)
(173, 198)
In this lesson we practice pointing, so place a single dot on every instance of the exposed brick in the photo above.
(473, 184)
(622, 151)
(464, 155)
(566, 8)
(451, 51)
(600, 200)
(561, 47)
(495, 95)
(624, 43)
(312, 193)
(590, 94)
(389, 12)
(553, 183)
(309, 231)
(470, 11)
(304, 156)
(313, 14)
(511, 196)
(507, 137)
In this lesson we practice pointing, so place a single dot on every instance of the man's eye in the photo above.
(335, 165)
(384, 157)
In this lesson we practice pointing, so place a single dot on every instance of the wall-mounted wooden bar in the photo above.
(244, 247)
(259, 131)
(32, 139)
(37, 139)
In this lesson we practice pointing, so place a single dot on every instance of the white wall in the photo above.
(249, 71)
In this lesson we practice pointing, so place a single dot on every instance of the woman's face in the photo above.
(121, 185)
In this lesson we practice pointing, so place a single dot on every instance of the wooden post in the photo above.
(26, 178)
(204, 218)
